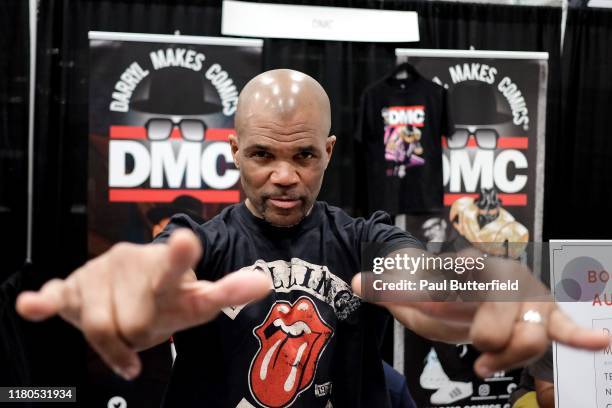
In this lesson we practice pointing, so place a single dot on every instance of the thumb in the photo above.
(235, 289)
(40, 305)
(181, 253)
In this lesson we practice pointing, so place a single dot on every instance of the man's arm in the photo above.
(545, 393)
(136, 296)
(497, 328)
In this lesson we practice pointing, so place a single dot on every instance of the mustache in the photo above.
(284, 195)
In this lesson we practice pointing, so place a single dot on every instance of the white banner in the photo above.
(318, 23)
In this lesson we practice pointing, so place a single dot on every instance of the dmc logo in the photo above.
(486, 169)
(414, 115)
(173, 154)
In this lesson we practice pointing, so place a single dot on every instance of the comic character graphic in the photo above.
(487, 225)
(292, 339)
(403, 147)
(483, 221)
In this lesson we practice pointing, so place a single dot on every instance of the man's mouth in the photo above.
(285, 203)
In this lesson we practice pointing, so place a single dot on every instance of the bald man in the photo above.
(288, 327)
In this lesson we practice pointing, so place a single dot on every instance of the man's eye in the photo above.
(305, 155)
(260, 154)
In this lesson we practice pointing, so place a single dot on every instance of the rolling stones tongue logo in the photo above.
(292, 339)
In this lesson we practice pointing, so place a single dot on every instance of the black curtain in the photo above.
(579, 182)
(14, 86)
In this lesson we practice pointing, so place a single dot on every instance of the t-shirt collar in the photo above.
(259, 223)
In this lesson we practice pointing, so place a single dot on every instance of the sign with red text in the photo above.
(492, 164)
(161, 113)
(580, 274)
(493, 193)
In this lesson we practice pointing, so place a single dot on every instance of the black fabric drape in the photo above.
(14, 85)
(580, 156)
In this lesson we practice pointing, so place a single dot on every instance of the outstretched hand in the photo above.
(136, 296)
(506, 332)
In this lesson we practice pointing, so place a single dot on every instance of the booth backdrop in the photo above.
(578, 148)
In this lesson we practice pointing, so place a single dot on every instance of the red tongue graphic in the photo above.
(292, 339)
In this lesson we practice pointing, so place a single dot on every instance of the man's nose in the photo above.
(284, 174)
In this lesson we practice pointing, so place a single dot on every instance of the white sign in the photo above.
(579, 276)
(318, 23)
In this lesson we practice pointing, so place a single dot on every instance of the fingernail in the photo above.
(131, 372)
(128, 373)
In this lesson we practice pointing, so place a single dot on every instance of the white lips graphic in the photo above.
(296, 329)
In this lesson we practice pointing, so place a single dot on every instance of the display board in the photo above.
(579, 276)
(493, 174)
(161, 111)
(160, 116)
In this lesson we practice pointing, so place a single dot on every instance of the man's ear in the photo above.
(233, 140)
(329, 147)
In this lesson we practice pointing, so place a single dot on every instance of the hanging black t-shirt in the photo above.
(401, 125)
(311, 342)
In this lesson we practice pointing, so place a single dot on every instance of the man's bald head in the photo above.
(283, 93)
(282, 144)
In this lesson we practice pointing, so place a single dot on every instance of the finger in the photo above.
(528, 341)
(493, 325)
(356, 284)
(237, 288)
(47, 302)
(562, 329)
(99, 325)
(180, 254)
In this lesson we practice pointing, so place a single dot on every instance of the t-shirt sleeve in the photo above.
(177, 221)
(379, 229)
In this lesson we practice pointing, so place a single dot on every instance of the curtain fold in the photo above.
(578, 189)
(14, 99)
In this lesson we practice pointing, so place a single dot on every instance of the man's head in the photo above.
(282, 144)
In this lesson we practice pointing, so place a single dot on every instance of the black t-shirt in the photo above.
(401, 125)
(311, 342)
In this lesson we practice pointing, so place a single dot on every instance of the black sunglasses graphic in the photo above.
(485, 138)
(191, 129)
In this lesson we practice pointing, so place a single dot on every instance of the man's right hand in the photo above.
(136, 296)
